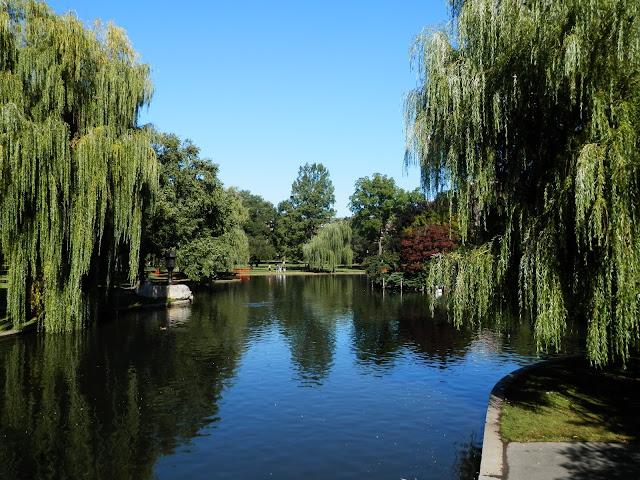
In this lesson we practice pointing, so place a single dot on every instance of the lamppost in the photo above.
(170, 258)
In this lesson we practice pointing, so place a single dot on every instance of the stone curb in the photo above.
(493, 459)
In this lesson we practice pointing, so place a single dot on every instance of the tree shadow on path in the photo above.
(602, 461)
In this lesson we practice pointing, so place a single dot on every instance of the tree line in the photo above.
(213, 228)
(525, 125)
(87, 194)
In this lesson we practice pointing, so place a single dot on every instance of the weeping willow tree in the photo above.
(330, 247)
(530, 113)
(75, 170)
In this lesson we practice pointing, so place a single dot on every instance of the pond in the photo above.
(276, 377)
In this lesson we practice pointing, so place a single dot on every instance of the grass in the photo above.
(298, 269)
(569, 401)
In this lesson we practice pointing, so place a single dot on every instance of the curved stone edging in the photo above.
(493, 457)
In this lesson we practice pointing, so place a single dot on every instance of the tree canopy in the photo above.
(422, 240)
(373, 203)
(309, 206)
(76, 172)
(259, 226)
(194, 214)
(530, 112)
(330, 247)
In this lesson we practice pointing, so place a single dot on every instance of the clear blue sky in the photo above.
(263, 87)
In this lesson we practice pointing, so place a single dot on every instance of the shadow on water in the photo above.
(467, 461)
(108, 402)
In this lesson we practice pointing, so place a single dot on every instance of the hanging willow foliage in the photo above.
(75, 170)
(330, 247)
(530, 113)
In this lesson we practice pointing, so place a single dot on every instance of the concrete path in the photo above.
(550, 460)
(575, 461)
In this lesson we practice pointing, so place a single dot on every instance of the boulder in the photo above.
(175, 292)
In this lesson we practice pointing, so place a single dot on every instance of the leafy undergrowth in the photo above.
(570, 401)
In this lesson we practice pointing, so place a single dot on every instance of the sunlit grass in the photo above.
(571, 401)
(297, 269)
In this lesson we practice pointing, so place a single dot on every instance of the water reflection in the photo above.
(376, 339)
(47, 415)
(108, 402)
(170, 393)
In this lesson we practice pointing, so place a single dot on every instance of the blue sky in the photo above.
(263, 87)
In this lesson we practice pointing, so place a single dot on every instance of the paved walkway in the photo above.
(561, 460)
(550, 460)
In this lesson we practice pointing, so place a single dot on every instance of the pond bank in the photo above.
(539, 459)
(125, 300)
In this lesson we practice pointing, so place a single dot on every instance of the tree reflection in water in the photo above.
(116, 400)
(71, 408)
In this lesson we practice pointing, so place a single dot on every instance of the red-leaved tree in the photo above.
(420, 243)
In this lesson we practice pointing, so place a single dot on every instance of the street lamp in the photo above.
(170, 258)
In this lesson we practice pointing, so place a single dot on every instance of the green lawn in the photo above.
(298, 269)
(571, 401)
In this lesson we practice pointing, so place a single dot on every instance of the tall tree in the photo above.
(330, 247)
(194, 214)
(373, 203)
(309, 206)
(530, 111)
(76, 172)
(259, 226)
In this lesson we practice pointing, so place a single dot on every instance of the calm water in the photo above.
(281, 377)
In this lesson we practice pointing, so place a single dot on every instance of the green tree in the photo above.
(308, 207)
(259, 226)
(330, 247)
(373, 203)
(76, 172)
(440, 211)
(530, 111)
(194, 214)
(205, 256)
